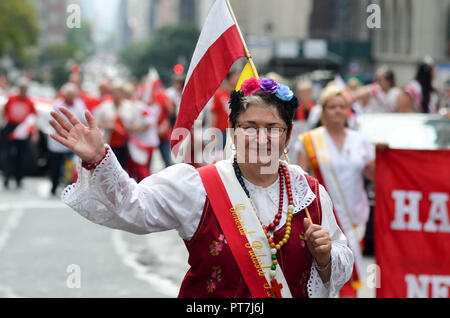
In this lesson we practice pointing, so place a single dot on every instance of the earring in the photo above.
(233, 150)
(285, 153)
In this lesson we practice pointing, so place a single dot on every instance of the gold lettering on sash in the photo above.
(256, 245)
(237, 217)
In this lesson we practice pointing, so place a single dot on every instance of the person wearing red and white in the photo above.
(340, 158)
(115, 117)
(313, 262)
(143, 139)
(167, 108)
(425, 96)
(18, 111)
(383, 93)
(58, 153)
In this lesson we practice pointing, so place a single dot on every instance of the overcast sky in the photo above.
(102, 16)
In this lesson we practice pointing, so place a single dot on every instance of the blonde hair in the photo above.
(276, 77)
(332, 91)
(304, 85)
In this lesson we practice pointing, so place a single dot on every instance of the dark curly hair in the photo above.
(286, 110)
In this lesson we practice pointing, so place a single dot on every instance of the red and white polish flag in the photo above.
(218, 47)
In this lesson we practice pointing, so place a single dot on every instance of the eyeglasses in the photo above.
(271, 132)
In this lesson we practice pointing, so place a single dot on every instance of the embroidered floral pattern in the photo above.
(216, 246)
(216, 277)
(302, 239)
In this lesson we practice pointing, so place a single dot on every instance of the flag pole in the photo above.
(247, 52)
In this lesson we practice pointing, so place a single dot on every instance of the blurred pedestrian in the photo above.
(340, 158)
(305, 94)
(174, 93)
(383, 92)
(166, 109)
(405, 102)
(425, 96)
(59, 154)
(4, 84)
(90, 101)
(20, 117)
(143, 140)
(220, 107)
(114, 117)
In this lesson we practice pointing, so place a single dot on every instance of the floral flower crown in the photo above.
(254, 85)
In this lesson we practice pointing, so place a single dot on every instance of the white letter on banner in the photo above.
(438, 212)
(401, 210)
(440, 285)
(413, 288)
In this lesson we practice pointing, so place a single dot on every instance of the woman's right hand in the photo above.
(86, 142)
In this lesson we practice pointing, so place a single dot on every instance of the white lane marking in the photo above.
(129, 258)
(11, 223)
(6, 292)
(6, 230)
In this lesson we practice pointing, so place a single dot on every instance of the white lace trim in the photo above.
(302, 193)
(96, 193)
(341, 270)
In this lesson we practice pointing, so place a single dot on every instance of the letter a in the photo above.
(374, 20)
(74, 19)
(438, 212)
(74, 279)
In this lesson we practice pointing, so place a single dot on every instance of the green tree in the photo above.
(18, 27)
(81, 38)
(170, 45)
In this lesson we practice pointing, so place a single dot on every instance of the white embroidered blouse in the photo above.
(174, 199)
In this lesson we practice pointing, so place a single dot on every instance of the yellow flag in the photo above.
(247, 73)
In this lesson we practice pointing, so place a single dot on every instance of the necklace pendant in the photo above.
(276, 288)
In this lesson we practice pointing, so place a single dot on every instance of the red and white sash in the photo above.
(242, 228)
(317, 149)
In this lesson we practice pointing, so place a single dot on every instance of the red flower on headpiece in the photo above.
(251, 86)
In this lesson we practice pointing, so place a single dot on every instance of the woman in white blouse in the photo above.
(340, 158)
(298, 251)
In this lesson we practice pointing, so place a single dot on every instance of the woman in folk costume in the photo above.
(245, 225)
(339, 158)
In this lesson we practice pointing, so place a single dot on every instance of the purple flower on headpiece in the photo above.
(269, 85)
(251, 86)
(284, 93)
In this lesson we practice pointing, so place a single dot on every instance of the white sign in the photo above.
(315, 49)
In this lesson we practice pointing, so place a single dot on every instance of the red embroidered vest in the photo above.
(214, 273)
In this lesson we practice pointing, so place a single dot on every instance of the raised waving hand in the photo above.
(85, 141)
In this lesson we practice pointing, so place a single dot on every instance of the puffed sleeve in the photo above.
(171, 199)
(341, 255)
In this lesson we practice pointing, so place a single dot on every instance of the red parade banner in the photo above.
(412, 229)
